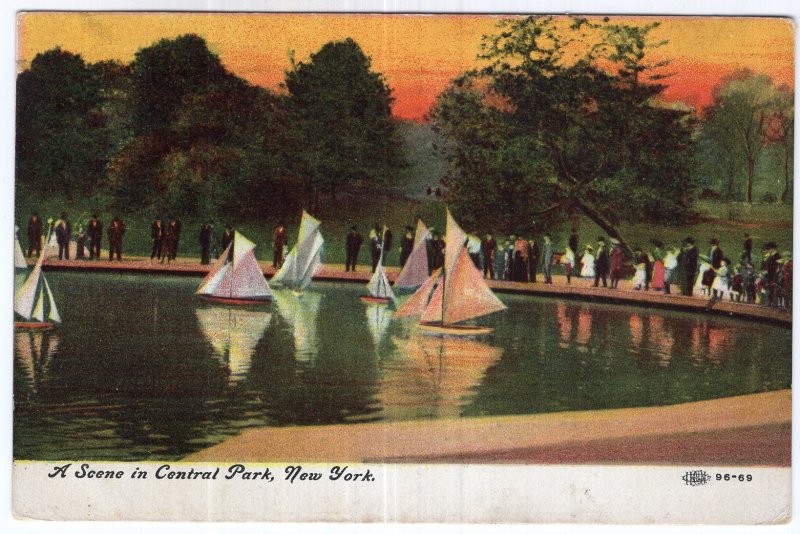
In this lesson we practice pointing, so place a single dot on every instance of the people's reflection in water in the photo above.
(433, 376)
(564, 324)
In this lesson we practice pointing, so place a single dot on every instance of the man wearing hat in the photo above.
(771, 265)
(352, 246)
(601, 263)
(716, 255)
(35, 229)
(689, 257)
(95, 234)
(406, 245)
(63, 236)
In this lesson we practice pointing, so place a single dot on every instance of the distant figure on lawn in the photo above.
(63, 230)
(406, 245)
(157, 238)
(206, 233)
(174, 231)
(352, 247)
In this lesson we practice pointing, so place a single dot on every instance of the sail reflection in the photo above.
(301, 312)
(378, 318)
(234, 334)
(434, 377)
(34, 351)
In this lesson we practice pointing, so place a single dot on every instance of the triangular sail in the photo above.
(305, 258)
(247, 279)
(433, 311)
(53, 313)
(25, 298)
(214, 276)
(454, 242)
(19, 257)
(378, 285)
(466, 294)
(417, 302)
(241, 246)
(415, 271)
(38, 311)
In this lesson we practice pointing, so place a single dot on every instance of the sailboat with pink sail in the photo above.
(415, 271)
(453, 294)
(236, 278)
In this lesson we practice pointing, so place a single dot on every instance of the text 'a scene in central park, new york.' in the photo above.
(369, 230)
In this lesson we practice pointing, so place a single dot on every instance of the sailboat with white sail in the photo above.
(415, 271)
(236, 278)
(34, 302)
(305, 259)
(380, 292)
(453, 294)
(19, 257)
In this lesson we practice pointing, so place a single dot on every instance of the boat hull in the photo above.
(236, 301)
(438, 329)
(375, 300)
(33, 325)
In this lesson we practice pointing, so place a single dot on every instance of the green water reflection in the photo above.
(141, 369)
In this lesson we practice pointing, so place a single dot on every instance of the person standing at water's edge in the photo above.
(63, 230)
(95, 232)
(617, 263)
(174, 229)
(352, 247)
(227, 236)
(533, 259)
(406, 245)
(375, 236)
(157, 238)
(279, 240)
(689, 264)
(35, 229)
(387, 243)
(488, 250)
(547, 260)
(205, 244)
(601, 263)
(115, 233)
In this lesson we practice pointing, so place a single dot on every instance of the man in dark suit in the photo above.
(352, 247)
(174, 229)
(35, 229)
(689, 257)
(716, 254)
(488, 250)
(227, 237)
(95, 234)
(406, 245)
(157, 237)
(63, 236)
(205, 243)
(601, 264)
(115, 233)
(533, 259)
(387, 243)
(279, 240)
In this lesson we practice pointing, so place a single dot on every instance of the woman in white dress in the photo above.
(587, 263)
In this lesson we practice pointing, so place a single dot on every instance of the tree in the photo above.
(737, 122)
(61, 141)
(342, 112)
(565, 118)
(781, 134)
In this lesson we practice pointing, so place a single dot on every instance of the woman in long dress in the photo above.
(568, 261)
(617, 264)
(657, 283)
(587, 263)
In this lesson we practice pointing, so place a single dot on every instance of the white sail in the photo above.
(26, 297)
(215, 274)
(378, 285)
(415, 271)
(19, 257)
(53, 313)
(233, 334)
(305, 258)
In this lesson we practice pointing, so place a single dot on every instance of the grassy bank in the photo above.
(764, 222)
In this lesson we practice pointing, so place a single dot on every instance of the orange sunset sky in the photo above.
(417, 54)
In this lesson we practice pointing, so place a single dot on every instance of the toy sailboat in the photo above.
(34, 301)
(453, 294)
(236, 278)
(19, 257)
(380, 292)
(415, 271)
(305, 259)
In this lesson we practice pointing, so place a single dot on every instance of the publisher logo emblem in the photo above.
(696, 478)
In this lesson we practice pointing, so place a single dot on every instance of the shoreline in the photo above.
(750, 429)
(579, 290)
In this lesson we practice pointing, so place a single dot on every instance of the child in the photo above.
(737, 283)
(587, 263)
(722, 281)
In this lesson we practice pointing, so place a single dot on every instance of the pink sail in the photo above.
(433, 312)
(415, 271)
(454, 242)
(417, 302)
(466, 294)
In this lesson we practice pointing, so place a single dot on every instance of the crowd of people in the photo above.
(764, 279)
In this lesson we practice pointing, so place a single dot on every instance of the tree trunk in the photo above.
(600, 220)
(751, 169)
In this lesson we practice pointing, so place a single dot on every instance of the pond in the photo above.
(141, 369)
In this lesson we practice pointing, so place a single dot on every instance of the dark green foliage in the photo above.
(63, 140)
(342, 112)
(544, 131)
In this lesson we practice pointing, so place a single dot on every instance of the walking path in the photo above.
(580, 289)
(746, 430)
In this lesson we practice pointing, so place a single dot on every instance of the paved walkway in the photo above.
(746, 430)
(580, 289)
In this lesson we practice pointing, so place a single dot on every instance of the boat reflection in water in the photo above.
(34, 350)
(301, 312)
(234, 334)
(434, 377)
(378, 319)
